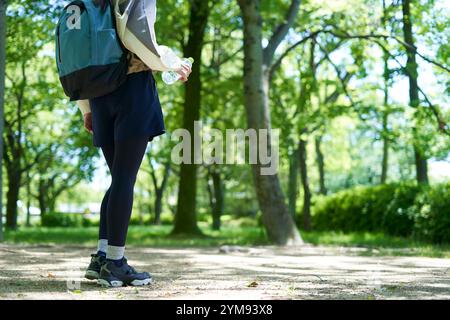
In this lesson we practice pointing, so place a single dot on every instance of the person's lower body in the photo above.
(124, 158)
(109, 265)
(123, 124)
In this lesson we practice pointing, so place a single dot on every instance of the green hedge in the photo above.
(75, 220)
(406, 210)
(66, 220)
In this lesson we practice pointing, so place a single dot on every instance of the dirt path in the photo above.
(55, 272)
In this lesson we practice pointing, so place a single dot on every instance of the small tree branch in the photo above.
(338, 73)
(278, 62)
(281, 32)
(442, 125)
(153, 175)
(345, 35)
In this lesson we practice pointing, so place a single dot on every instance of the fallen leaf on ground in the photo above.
(254, 284)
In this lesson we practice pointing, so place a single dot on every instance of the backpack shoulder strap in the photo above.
(113, 17)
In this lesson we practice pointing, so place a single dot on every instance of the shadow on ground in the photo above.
(56, 272)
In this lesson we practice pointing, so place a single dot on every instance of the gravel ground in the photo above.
(309, 272)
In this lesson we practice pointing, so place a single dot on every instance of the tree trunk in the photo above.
(186, 218)
(3, 5)
(306, 212)
(12, 196)
(42, 206)
(277, 220)
(51, 205)
(216, 194)
(42, 199)
(412, 72)
(159, 189)
(385, 163)
(210, 190)
(28, 222)
(219, 195)
(421, 166)
(158, 206)
(293, 183)
(385, 160)
(320, 165)
(385, 130)
(306, 92)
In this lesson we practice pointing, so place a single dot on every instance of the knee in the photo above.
(124, 180)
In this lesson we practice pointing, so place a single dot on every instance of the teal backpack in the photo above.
(90, 57)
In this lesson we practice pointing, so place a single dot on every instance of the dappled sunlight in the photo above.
(53, 272)
(320, 126)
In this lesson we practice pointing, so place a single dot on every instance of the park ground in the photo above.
(238, 265)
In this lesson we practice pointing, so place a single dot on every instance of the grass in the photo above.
(379, 244)
(156, 236)
(159, 236)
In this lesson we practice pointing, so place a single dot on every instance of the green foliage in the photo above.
(152, 236)
(397, 218)
(332, 87)
(142, 236)
(395, 209)
(140, 221)
(65, 220)
(432, 214)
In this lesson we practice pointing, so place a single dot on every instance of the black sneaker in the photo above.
(113, 276)
(93, 271)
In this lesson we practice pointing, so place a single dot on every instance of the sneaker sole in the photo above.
(140, 283)
(91, 275)
(112, 284)
(118, 283)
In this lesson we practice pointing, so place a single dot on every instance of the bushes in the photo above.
(398, 219)
(395, 209)
(432, 212)
(66, 220)
(147, 220)
(58, 219)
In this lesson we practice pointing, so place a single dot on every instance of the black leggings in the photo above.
(124, 159)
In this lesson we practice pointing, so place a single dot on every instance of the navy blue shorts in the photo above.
(133, 110)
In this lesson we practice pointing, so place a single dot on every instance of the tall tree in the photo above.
(68, 166)
(14, 153)
(159, 188)
(414, 101)
(306, 211)
(320, 164)
(293, 182)
(385, 111)
(186, 218)
(216, 192)
(28, 186)
(3, 6)
(308, 87)
(258, 61)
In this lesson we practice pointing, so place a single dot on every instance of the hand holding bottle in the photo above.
(182, 74)
(186, 70)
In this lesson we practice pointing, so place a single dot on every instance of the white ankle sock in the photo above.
(115, 253)
(102, 245)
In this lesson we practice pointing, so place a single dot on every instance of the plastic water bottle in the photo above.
(170, 77)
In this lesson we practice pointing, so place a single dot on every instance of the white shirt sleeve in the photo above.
(84, 106)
